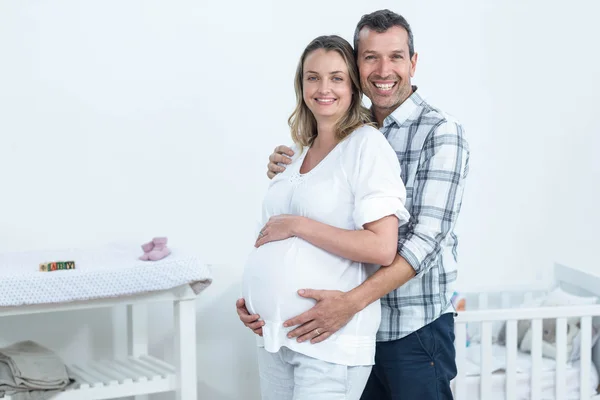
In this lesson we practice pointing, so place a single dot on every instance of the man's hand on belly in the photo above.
(333, 310)
(251, 321)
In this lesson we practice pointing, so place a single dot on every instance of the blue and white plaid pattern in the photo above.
(434, 156)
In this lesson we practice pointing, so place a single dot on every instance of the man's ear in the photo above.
(413, 64)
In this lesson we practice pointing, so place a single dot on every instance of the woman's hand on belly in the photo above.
(279, 227)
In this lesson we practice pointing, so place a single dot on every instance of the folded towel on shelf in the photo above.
(29, 371)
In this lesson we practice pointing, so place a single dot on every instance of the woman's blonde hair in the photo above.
(302, 122)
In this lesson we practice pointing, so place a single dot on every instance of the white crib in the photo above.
(489, 370)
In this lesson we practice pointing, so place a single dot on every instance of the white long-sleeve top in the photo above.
(356, 183)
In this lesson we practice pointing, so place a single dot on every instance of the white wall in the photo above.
(131, 119)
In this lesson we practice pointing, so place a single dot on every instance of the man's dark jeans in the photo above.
(419, 366)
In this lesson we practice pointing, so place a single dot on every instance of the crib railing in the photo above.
(486, 317)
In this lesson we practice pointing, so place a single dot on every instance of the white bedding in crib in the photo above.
(523, 376)
(108, 271)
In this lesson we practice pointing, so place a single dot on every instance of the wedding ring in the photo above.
(317, 330)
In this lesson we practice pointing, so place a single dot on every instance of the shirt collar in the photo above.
(404, 110)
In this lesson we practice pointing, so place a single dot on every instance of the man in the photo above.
(415, 357)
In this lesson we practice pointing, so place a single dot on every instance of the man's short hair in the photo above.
(380, 21)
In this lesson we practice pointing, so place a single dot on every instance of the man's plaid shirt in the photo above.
(434, 157)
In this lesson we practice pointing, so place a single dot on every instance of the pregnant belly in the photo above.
(275, 272)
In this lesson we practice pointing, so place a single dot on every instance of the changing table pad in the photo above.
(108, 271)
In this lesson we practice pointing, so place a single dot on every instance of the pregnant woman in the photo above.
(328, 221)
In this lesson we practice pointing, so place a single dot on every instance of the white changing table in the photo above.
(136, 373)
(124, 282)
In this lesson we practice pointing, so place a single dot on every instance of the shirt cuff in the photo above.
(410, 255)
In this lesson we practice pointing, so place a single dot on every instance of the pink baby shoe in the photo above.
(147, 247)
(160, 249)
